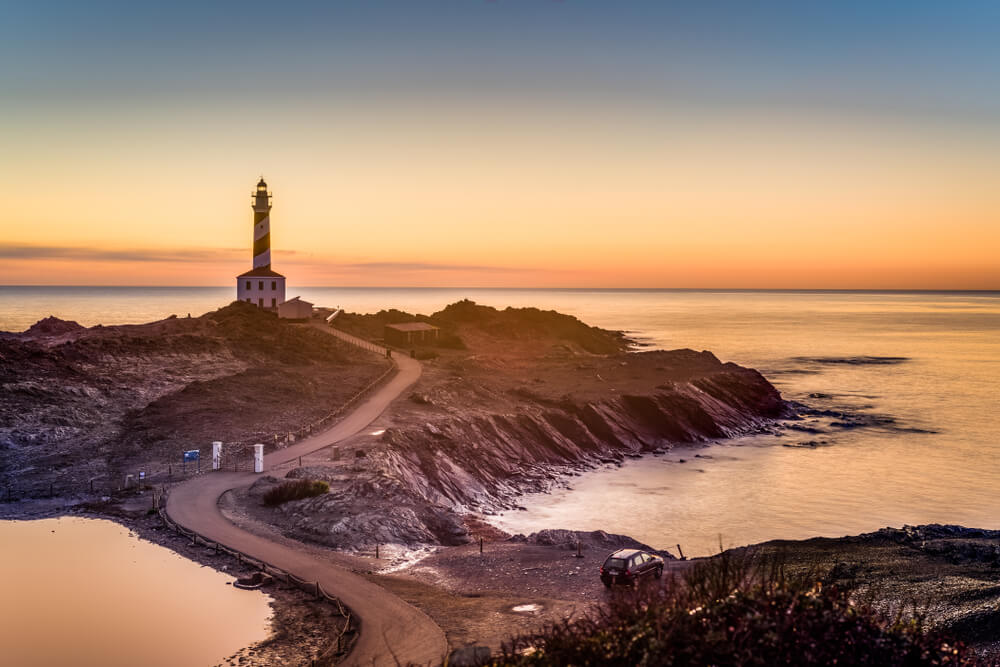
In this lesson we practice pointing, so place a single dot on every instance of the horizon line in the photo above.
(549, 289)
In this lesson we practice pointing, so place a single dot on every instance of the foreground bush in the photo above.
(734, 611)
(295, 490)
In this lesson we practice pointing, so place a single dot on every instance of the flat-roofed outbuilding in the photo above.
(410, 333)
(295, 309)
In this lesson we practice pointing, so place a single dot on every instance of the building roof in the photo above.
(296, 299)
(260, 273)
(411, 326)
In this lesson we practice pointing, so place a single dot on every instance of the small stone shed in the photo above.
(295, 309)
(410, 333)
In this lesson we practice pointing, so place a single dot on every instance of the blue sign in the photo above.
(192, 455)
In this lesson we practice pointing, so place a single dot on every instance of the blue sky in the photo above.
(894, 57)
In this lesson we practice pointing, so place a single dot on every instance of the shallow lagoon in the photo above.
(89, 592)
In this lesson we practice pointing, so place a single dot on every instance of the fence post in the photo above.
(258, 458)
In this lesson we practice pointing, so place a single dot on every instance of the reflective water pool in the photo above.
(82, 591)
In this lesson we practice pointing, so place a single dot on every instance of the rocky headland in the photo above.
(511, 401)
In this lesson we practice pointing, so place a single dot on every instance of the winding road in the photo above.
(392, 631)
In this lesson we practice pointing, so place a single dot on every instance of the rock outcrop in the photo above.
(485, 461)
(530, 397)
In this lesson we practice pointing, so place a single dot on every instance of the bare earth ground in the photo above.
(81, 406)
(473, 596)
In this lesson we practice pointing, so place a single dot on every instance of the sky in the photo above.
(528, 143)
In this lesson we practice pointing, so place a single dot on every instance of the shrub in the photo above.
(735, 610)
(450, 341)
(295, 490)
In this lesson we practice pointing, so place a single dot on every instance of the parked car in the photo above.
(628, 566)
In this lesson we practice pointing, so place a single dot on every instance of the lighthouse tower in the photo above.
(261, 286)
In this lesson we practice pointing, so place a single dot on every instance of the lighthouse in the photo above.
(261, 286)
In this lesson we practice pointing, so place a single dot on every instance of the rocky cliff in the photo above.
(527, 397)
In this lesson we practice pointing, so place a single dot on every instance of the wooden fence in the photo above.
(236, 456)
(312, 587)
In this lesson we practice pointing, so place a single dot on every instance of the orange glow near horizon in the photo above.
(522, 200)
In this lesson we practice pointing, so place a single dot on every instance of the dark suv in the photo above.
(628, 566)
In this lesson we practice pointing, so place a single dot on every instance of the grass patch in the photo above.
(295, 490)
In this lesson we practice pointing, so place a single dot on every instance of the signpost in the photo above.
(193, 455)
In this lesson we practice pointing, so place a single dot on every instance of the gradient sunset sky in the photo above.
(508, 143)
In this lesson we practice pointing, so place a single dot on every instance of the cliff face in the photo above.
(483, 461)
(527, 397)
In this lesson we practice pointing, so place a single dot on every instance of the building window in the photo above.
(260, 285)
(248, 286)
(274, 285)
(273, 302)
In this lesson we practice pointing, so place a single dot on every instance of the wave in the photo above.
(844, 420)
(862, 360)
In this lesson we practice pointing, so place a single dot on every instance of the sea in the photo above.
(898, 391)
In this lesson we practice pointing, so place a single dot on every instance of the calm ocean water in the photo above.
(903, 385)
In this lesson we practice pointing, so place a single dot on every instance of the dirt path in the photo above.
(392, 632)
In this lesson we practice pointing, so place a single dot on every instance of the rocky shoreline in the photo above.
(518, 401)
